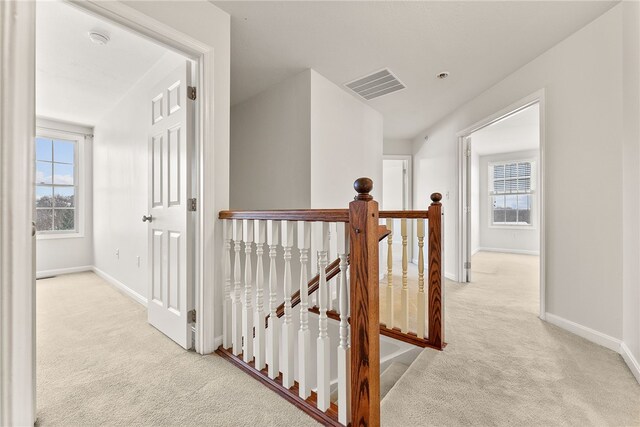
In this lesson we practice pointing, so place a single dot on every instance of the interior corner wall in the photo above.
(583, 162)
(69, 253)
(346, 144)
(270, 150)
(631, 185)
(507, 238)
(120, 184)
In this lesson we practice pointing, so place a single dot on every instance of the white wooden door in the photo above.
(170, 230)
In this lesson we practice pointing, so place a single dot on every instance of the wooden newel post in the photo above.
(436, 297)
(365, 319)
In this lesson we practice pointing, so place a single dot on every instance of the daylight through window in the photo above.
(56, 186)
(511, 189)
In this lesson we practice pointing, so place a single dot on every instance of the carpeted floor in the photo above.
(100, 363)
(504, 366)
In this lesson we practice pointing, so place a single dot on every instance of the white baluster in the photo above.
(332, 294)
(236, 312)
(304, 335)
(421, 295)
(226, 305)
(260, 335)
(404, 324)
(324, 360)
(288, 329)
(273, 237)
(247, 309)
(344, 348)
(390, 307)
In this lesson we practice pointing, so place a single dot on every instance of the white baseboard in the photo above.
(121, 287)
(509, 251)
(587, 333)
(631, 361)
(59, 271)
(450, 276)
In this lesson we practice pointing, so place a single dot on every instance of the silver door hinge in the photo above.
(191, 92)
(467, 152)
(191, 315)
(467, 265)
(193, 205)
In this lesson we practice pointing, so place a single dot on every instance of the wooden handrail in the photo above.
(405, 214)
(314, 215)
(311, 215)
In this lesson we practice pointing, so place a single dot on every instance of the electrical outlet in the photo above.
(118, 253)
(138, 261)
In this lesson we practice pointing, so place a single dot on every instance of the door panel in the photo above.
(170, 230)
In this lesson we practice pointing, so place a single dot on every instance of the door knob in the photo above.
(146, 218)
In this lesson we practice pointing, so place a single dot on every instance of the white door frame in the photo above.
(203, 54)
(536, 97)
(17, 116)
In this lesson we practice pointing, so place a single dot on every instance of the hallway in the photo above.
(504, 366)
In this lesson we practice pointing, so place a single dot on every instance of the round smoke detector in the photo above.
(442, 75)
(98, 38)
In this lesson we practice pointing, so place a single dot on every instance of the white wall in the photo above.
(397, 146)
(270, 150)
(631, 185)
(120, 184)
(346, 144)
(583, 153)
(71, 252)
(302, 144)
(514, 239)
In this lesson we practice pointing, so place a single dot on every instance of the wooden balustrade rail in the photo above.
(358, 235)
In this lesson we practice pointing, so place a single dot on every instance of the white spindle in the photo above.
(260, 334)
(273, 237)
(421, 295)
(323, 349)
(404, 324)
(344, 349)
(247, 309)
(304, 335)
(236, 312)
(288, 330)
(226, 306)
(332, 294)
(389, 320)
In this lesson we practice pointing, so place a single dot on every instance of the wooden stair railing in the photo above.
(332, 271)
(358, 352)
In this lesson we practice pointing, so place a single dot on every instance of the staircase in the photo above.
(322, 345)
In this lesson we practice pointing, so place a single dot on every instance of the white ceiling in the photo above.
(517, 132)
(77, 80)
(479, 42)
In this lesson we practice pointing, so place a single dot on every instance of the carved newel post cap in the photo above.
(436, 197)
(363, 187)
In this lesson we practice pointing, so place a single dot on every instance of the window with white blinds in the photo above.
(511, 187)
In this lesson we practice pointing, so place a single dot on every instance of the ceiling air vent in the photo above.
(377, 84)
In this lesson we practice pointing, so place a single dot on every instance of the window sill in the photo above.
(55, 236)
(513, 227)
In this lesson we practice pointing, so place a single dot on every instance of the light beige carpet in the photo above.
(504, 366)
(100, 363)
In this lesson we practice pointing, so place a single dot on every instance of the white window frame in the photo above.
(78, 179)
(531, 193)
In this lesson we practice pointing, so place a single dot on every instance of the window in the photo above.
(56, 185)
(511, 188)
